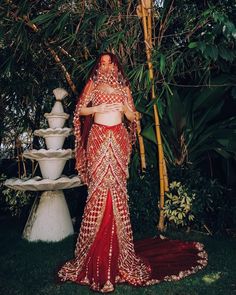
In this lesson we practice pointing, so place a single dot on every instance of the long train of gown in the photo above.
(105, 252)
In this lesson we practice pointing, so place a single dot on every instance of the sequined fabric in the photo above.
(101, 97)
(82, 124)
(108, 151)
(105, 252)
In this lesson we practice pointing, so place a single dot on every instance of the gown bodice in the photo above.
(100, 96)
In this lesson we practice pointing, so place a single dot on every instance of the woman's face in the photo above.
(106, 66)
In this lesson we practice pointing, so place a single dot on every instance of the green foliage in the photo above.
(193, 49)
(211, 206)
(192, 127)
(13, 201)
(143, 191)
(188, 50)
(178, 204)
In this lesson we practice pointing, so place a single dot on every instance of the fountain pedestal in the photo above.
(49, 219)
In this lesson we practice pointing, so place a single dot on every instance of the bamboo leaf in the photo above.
(211, 51)
(44, 18)
(193, 45)
(149, 133)
(162, 63)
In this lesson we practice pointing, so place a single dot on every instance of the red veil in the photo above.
(82, 124)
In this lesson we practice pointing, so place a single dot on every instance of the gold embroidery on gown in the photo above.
(107, 154)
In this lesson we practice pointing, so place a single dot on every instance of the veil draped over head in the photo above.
(82, 124)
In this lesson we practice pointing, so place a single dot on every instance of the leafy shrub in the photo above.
(143, 191)
(210, 206)
(178, 204)
(13, 201)
(194, 200)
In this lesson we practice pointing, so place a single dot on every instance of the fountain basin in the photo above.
(52, 168)
(43, 153)
(56, 119)
(51, 162)
(37, 183)
(54, 141)
(54, 138)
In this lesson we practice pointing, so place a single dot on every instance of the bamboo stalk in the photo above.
(53, 53)
(138, 118)
(161, 170)
(166, 182)
(66, 53)
(141, 143)
(147, 43)
(147, 26)
(67, 75)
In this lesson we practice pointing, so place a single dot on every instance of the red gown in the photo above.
(105, 252)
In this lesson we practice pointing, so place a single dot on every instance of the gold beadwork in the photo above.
(107, 156)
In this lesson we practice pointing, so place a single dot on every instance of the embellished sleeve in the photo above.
(132, 126)
(82, 125)
(130, 100)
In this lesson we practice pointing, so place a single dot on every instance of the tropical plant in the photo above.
(48, 44)
(142, 191)
(192, 125)
(212, 206)
(178, 204)
(14, 201)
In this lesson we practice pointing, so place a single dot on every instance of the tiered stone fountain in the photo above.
(49, 219)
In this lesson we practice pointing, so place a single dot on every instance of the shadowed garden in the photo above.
(179, 57)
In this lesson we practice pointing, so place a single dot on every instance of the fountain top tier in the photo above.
(56, 118)
(52, 160)
(55, 135)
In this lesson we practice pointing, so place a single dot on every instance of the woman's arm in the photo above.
(101, 108)
(91, 110)
(130, 115)
(85, 111)
(129, 108)
(85, 98)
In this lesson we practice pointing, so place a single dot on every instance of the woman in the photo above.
(105, 253)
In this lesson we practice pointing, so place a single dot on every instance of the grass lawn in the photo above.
(29, 268)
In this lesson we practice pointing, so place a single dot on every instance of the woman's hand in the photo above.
(121, 107)
(125, 108)
(105, 107)
(102, 108)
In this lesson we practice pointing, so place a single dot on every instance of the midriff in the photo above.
(108, 118)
